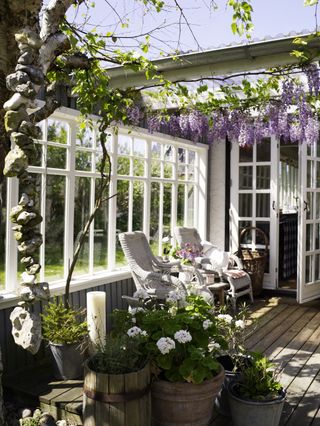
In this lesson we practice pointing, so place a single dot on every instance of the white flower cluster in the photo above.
(136, 331)
(225, 317)
(165, 345)
(240, 324)
(141, 294)
(183, 336)
(206, 324)
(213, 346)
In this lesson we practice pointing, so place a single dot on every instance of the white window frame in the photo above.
(94, 278)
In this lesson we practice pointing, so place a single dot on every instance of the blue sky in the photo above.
(211, 28)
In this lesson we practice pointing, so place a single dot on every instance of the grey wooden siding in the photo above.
(15, 358)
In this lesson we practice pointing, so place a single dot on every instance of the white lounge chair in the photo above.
(228, 266)
(149, 273)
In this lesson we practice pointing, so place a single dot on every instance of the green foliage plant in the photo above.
(118, 354)
(63, 325)
(259, 380)
(181, 338)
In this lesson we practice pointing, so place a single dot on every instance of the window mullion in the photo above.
(69, 200)
(147, 191)
(112, 218)
(174, 202)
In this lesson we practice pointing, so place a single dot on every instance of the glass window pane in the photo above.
(246, 154)
(309, 237)
(58, 131)
(180, 206)
(3, 213)
(138, 167)
(263, 177)
(98, 159)
(122, 216)
(190, 211)
(191, 174)
(56, 157)
(192, 157)
(317, 267)
(265, 227)
(168, 152)
(83, 160)
(264, 150)
(263, 205)
(100, 258)
(124, 144)
(245, 205)
(309, 173)
(318, 204)
(155, 168)
(155, 150)
(81, 215)
(308, 275)
(154, 217)
(317, 236)
(139, 147)
(318, 174)
(167, 201)
(137, 211)
(245, 177)
(85, 137)
(123, 166)
(182, 172)
(181, 155)
(309, 206)
(167, 170)
(55, 205)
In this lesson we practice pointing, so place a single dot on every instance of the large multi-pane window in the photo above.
(154, 186)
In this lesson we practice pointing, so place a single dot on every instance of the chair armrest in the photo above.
(236, 260)
(207, 248)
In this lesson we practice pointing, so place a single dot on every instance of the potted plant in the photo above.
(183, 338)
(257, 398)
(65, 330)
(235, 357)
(117, 383)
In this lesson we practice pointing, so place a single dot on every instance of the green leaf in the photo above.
(310, 2)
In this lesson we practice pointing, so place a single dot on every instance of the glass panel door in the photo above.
(254, 198)
(309, 224)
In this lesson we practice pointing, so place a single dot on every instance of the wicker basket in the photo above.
(254, 261)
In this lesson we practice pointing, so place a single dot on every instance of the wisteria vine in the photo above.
(290, 114)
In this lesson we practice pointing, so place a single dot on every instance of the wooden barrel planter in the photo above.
(116, 399)
(184, 404)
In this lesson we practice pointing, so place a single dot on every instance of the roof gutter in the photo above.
(217, 62)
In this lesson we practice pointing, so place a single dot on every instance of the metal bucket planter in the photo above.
(68, 360)
(184, 404)
(222, 401)
(247, 412)
(116, 399)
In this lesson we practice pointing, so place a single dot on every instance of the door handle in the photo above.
(306, 206)
(273, 205)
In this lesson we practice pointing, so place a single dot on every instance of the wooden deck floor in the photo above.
(289, 334)
(286, 332)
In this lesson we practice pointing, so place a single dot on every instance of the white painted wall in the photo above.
(216, 193)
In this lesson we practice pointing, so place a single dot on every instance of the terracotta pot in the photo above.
(184, 404)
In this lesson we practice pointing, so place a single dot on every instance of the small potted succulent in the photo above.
(66, 330)
(257, 398)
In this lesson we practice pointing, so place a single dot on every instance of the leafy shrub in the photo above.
(63, 325)
(258, 381)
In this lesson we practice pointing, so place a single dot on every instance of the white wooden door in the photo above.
(309, 224)
(254, 199)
